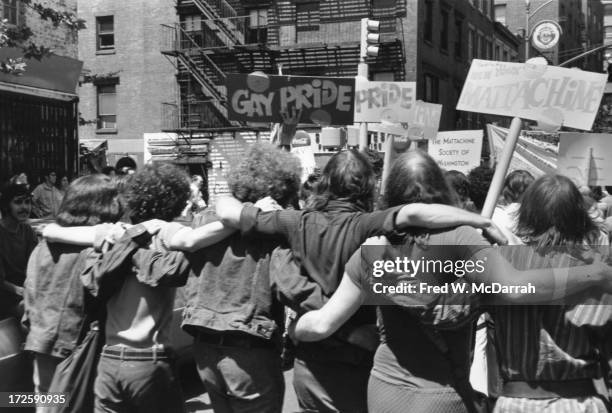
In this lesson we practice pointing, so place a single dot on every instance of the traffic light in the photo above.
(369, 38)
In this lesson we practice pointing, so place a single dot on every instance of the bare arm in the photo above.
(192, 239)
(84, 236)
(229, 210)
(549, 284)
(319, 324)
(444, 216)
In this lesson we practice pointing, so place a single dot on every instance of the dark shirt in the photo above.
(322, 242)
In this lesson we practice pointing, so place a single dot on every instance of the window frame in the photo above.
(101, 125)
(444, 30)
(311, 19)
(100, 33)
(6, 4)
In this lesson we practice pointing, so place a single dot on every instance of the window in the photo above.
(10, 11)
(107, 106)
(506, 56)
(489, 50)
(431, 89)
(307, 16)
(428, 21)
(258, 26)
(483, 47)
(500, 13)
(106, 32)
(458, 38)
(485, 7)
(444, 30)
(497, 53)
(471, 44)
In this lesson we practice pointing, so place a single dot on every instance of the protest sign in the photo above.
(258, 97)
(389, 102)
(551, 94)
(457, 150)
(586, 158)
(425, 120)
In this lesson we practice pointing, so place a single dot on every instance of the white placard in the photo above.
(538, 92)
(457, 150)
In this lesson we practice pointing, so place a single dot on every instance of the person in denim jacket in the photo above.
(231, 312)
(56, 305)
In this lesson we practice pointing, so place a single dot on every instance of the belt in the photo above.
(131, 354)
(233, 340)
(549, 389)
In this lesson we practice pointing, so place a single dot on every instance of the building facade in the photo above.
(580, 20)
(125, 79)
(39, 108)
(430, 42)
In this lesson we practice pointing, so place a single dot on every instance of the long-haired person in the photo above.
(55, 301)
(419, 368)
(332, 375)
(505, 213)
(549, 354)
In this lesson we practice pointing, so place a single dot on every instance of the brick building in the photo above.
(126, 79)
(580, 20)
(431, 42)
(38, 110)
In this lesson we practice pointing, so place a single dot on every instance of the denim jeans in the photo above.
(124, 386)
(241, 380)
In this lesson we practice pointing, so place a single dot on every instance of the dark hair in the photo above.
(417, 178)
(348, 176)
(553, 212)
(157, 191)
(266, 171)
(480, 180)
(376, 160)
(515, 185)
(10, 192)
(596, 192)
(608, 189)
(108, 169)
(308, 187)
(90, 200)
(460, 183)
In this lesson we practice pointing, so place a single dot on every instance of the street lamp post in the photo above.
(528, 16)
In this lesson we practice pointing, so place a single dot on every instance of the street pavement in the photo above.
(201, 402)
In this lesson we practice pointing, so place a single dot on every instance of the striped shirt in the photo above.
(548, 343)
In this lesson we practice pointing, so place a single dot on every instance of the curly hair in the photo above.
(90, 200)
(157, 191)
(266, 171)
(349, 177)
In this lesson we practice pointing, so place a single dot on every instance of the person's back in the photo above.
(549, 354)
(138, 276)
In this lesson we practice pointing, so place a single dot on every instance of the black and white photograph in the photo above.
(305, 206)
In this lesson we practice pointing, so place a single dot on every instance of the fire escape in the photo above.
(221, 41)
